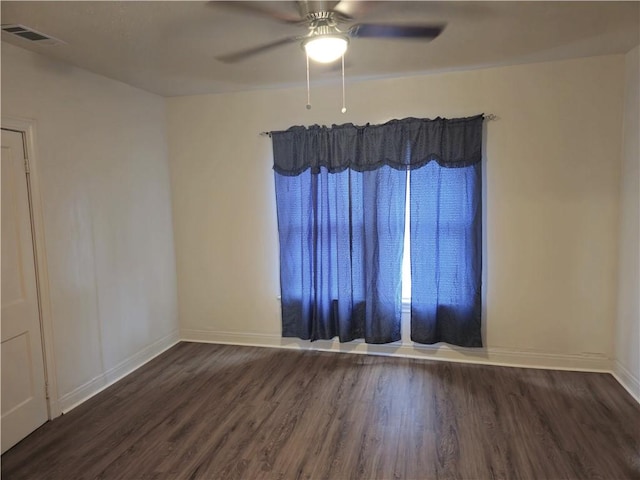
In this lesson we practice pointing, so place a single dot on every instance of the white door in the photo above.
(24, 404)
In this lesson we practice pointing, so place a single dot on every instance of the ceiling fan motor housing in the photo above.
(323, 24)
(325, 30)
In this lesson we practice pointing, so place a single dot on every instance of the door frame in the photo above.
(27, 127)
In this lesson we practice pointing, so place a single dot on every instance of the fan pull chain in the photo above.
(344, 106)
(308, 88)
(344, 102)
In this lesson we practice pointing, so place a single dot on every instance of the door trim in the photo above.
(28, 129)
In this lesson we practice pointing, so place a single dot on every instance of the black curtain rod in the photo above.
(490, 116)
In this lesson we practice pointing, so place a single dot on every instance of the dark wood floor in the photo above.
(214, 411)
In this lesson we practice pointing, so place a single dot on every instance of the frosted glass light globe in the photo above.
(326, 49)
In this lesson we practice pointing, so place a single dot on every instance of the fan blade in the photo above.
(249, 52)
(363, 30)
(305, 7)
(309, 7)
(263, 9)
(353, 8)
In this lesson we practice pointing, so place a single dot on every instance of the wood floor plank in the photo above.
(202, 411)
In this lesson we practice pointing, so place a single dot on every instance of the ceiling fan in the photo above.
(327, 37)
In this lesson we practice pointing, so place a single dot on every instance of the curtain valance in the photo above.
(401, 144)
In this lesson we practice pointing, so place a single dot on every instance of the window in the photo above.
(406, 258)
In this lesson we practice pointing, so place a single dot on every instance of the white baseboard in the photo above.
(488, 356)
(81, 394)
(628, 380)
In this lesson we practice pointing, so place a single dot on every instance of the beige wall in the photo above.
(551, 204)
(552, 170)
(627, 352)
(104, 182)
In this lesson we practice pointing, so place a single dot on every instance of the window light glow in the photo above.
(326, 49)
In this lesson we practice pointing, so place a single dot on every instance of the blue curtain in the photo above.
(341, 244)
(340, 194)
(446, 254)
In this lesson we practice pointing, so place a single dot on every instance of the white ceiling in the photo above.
(169, 47)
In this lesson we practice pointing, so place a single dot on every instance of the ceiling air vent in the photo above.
(30, 34)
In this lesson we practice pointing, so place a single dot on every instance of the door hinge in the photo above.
(26, 166)
(46, 390)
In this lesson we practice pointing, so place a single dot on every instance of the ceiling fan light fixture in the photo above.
(326, 48)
